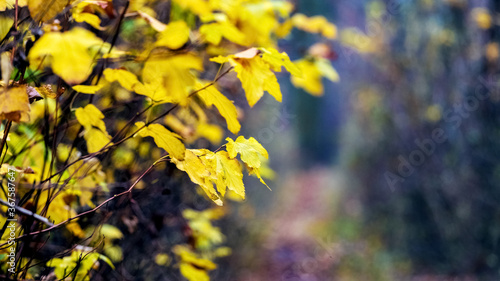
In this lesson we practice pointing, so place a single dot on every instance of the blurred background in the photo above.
(394, 173)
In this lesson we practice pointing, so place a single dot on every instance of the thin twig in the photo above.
(89, 211)
(28, 213)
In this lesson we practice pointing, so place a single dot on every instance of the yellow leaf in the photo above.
(73, 58)
(256, 172)
(212, 96)
(43, 10)
(127, 79)
(211, 132)
(187, 256)
(96, 139)
(313, 70)
(86, 89)
(198, 7)
(46, 91)
(326, 69)
(229, 174)
(10, 4)
(192, 273)
(14, 104)
(250, 150)
(164, 139)
(169, 79)
(199, 173)
(255, 75)
(214, 32)
(111, 232)
(175, 35)
(80, 14)
(90, 117)
(277, 60)
(316, 24)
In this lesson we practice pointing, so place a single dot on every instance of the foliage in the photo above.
(87, 105)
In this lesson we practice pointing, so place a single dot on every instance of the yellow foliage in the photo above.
(313, 70)
(192, 267)
(316, 24)
(169, 78)
(212, 96)
(205, 234)
(255, 75)
(90, 117)
(174, 36)
(10, 4)
(250, 150)
(14, 104)
(127, 79)
(163, 138)
(41, 10)
(74, 57)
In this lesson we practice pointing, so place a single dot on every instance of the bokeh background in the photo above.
(394, 173)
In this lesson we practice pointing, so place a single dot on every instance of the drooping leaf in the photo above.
(212, 96)
(199, 173)
(164, 139)
(229, 174)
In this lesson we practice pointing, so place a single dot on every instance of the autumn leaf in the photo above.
(199, 173)
(14, 104)
(83, 12)
(315, 24)
(10, 4)
(212, 96)
(127, 79)
(229, 173)
(168, 79)
(42, 10)
(74, 56)
(198, 7)
(214, 32)
(88, 89)
(313, 70)
(250, 150)
(163, 138)
(254, 73)
(191, 266)
(174, 36)
(277, 60)
(90, 117)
